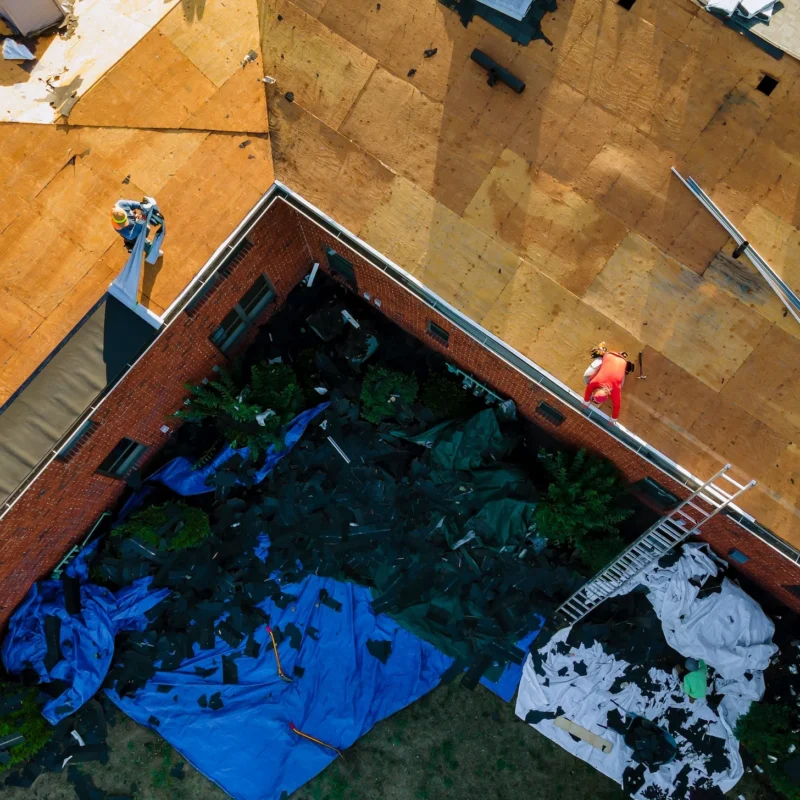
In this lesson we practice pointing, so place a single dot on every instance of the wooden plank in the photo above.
(702, 329)
(530, 213)
(324, 71)
(216, 38)
(573, 729)
(327, 169)
(173, 87)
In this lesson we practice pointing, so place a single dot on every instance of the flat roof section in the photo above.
(39, 414)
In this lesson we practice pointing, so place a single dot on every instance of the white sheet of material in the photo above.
(727, 629)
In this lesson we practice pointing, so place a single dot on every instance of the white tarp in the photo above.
(727, 629)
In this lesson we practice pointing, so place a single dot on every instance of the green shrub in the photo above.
(381, 390)
(581, 504)
(177, 525)
(240, 414)
(445, 397)
(27, 720)
(766, 730)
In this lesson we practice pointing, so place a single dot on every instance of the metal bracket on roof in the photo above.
(776, 283)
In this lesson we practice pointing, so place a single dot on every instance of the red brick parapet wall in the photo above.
(67, 498)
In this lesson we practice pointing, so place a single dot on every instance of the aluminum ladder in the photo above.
(680, 523)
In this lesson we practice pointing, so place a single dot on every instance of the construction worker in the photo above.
(695, 678)
(128, 218)
(604, 378)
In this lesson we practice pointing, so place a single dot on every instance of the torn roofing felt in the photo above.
(35, 418)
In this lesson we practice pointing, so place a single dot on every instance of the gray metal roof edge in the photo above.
(515, 359)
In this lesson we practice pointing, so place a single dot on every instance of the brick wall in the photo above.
(67, 498)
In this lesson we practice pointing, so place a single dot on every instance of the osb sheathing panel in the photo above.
(240, 104)
(531, 213)
(657, 299)
(412, 135)
(326, 168)
(217, 37)
(169, 89)
(324, 72)
(222, 181)
(768, 384)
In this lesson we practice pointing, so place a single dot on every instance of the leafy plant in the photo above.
(383, 391)
(253, 417)
(581, 503)
(26, 719)
(766, 730)
(445, 397)
(171, 526)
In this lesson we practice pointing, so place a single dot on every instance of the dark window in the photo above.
(767, 85)
(438, 333)
(122, 459)
(244, 313)
(738, 556)
(341, 266)
(75, 442)
(550, 414)
(656, 492)
(626, 4)
(235, 257)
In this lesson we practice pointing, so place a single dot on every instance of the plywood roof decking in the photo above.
(572, 178)
(550, 216)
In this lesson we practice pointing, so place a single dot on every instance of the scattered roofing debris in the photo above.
(522, 31)
(16, 51)
(628, 689)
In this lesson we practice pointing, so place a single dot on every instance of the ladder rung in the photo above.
(697, 508)
(720, 494)
(731, 480)
(715, 504)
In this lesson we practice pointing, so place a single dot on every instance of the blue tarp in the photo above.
(180, 475)
(86, 639)
(247, 746)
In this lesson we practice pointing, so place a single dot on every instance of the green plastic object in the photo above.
(694, 683)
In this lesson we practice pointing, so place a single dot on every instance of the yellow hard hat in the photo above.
(119, 216)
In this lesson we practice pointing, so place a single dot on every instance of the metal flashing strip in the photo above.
(775, 282)
(513, 358)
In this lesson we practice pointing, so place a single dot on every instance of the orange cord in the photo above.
(277, 657)
(316, 741)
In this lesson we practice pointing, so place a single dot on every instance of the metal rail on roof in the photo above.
(509, 355)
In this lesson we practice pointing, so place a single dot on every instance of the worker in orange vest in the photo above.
(605, 377)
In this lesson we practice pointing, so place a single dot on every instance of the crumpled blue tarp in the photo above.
(16, 51)
(180, 475)
(87, 639)
(247, 746)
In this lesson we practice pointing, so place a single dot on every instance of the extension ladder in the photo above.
(677, 525)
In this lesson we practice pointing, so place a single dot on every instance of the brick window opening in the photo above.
(340, 266)
(438, 333)
(738, 556)
(235, 257)
(550, 414)
(75, 443)
(767, 85)
(626, 4)
(244, 314)
(656, 492)
(122, 459)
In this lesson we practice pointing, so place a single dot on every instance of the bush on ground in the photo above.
(26, 719)
(171, 526)
(382, 391)
(445, 397)
(253, 416)
(581, 507)
(766, 730)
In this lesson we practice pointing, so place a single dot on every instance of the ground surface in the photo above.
(551, 217)
(451, 744)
